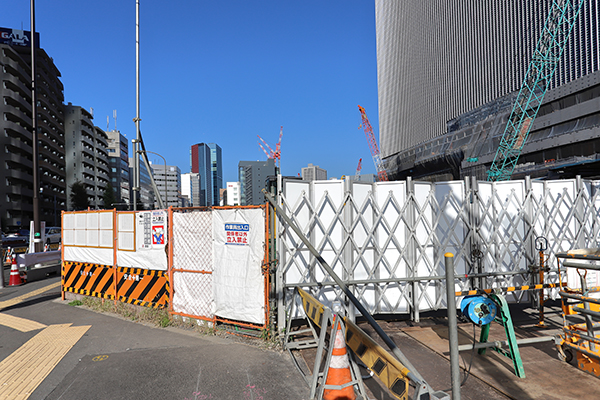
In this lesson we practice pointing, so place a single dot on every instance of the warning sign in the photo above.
(237, 234)
(158, 234)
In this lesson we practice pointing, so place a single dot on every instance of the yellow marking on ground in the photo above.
(28, 366)
(20, 324)
(19, 299)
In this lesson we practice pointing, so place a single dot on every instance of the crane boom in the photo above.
(366, 125)
(548, 52)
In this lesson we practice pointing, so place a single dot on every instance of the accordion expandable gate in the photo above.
(137, 286)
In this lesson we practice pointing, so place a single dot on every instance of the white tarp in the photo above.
(238, 282)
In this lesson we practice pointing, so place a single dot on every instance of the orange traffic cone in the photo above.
(8, 256)
(15, 277)
(339, 371)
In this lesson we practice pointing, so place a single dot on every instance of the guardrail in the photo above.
(39, 265)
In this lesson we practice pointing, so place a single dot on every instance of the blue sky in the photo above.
(221, 72)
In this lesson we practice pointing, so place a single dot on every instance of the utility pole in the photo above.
(34, 139)
(136, 148)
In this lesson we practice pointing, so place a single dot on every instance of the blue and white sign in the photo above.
(237, 233)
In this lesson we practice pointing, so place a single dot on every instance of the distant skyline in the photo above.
(221, 72)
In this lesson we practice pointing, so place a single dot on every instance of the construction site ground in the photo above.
(491, 375)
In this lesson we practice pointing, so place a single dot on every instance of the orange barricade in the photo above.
(88, 279)
(143, 287)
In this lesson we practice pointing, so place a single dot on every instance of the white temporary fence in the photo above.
(214, 263)
(218, 258)
(387, 240)
(89, 237)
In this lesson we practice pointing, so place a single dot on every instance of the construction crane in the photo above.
(548, 52)
(358, 169)
(366, 125)
(276, 154)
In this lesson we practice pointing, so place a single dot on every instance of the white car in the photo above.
(52, 235)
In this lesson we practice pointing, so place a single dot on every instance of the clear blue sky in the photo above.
(223, 72)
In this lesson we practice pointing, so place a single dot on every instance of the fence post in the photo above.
(476, 256)
(452, 326)
(411, 250)
(579, 213)
(348, 251)
(530, 228)
(281, 256)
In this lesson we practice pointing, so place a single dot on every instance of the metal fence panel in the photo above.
(387, 240)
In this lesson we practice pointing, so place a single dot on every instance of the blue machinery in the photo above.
(549, 49)
(482, 310)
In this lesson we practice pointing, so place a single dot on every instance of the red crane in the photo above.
(272, 154)
(366, 125)
(359, 168)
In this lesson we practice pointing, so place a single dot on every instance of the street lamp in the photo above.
(165, 162)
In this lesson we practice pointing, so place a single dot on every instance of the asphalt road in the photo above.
(120, 359)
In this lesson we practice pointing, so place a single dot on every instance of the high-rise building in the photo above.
(190, 187)
(168, 183)
(437, 60)
(314, 173)
(118, 162)
(253, 177)
(86, 154)
(16, 170)
(233, 194)
(205, 159)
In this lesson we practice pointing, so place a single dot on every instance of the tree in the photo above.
(79, 198)
(108, 198)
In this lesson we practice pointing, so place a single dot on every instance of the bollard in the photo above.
(452, 327)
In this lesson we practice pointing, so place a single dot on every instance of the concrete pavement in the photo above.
(119, 359)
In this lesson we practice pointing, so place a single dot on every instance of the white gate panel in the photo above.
(450, 232)
(327, 232)
(239, 251)
(424, 242)
(192, 251)
(364, 249)
(294, 261)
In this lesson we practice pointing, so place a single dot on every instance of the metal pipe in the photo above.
(413, 375)
(452, 327)
(136, 151)
(571, 333)
(34, 138)
(396, 280)
(580, 265)
(161, 204)
(579, 297)
(501, 343)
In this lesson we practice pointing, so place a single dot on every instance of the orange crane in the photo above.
(366, 125)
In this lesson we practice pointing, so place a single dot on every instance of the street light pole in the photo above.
(166, 202)
(34, 138)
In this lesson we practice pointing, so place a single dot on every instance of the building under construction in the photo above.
(447, 86)
(564, 140)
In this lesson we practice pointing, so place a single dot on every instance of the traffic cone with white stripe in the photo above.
(339, 371)
(9, 253)
(15, 277)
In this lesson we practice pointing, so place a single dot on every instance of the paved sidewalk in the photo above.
(120, 359)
